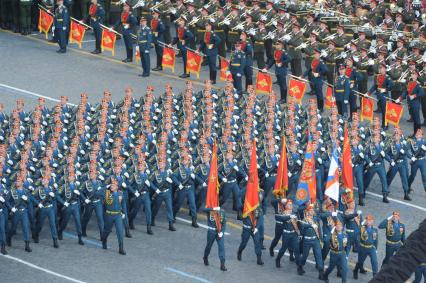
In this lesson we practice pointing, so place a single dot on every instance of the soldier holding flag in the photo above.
(96, 17)
(127, 21)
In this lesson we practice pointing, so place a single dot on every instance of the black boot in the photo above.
(55, 243)
(262, 246)
(239, 254)
(325, 278)
(171, 227)
(361, 201)
(356, 271)
(104, 243)
(131, 225)
(60, 235)
(278, 262)
(271, 251)
(206, 261)
(128, 235)
(407, 197)
(84, 233)
(149, 230)
(153, 222)
(3, 249)
(362, 270)
(385, 198)
(300, 270)
(121, 250)
(9, 241)
(194, 222)
(80, 240)
(36, 239)
(339, 273)
(259, 260)
(239, 215)
(222, 265)
(321, 274)
(27, 247)
(292, 256)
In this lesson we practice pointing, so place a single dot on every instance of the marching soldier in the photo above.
(369, 239)
(97, 18)
(216, 220)
(183, 39)
(315, 73)
(395, 234)
(358, 161)
(114, 215)
(144, 43)
(158, 31)
(338, 242)
(60, 26)
(418, 150)
(382, 85)
(341, 91)
(128, 23)
(236, 67)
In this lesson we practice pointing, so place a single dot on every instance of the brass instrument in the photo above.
(403, 75)
(205, 6)
(140, 3)
(156, 6)
(246, 12)
(330, 37)
(227, 18)
(270, 35)
(194, 21)
(118, 3)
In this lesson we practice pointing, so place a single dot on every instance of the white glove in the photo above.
(345, 101)
(169, 180)
(316, 75)
(392, 163)
(424, 147)
(292, 216)
(324, 53)
(390, 217)
(40, 205)
(382, 153)
(147, 183)
(255, 231)
(227, 22)
(334, 214)
(344, 55)
(236, 168)
(76, 192)
(267, 175)
(361, 155)
(181, 186)
(289, 174)
(398, 100)
(304, 45)
(157, 191)
(220, 235)
(87, 201)
(14, 209)
(319, 160)
(315, 226)
(359, 212)
(64, 28)
(123, 216)
(287, 37)
(52, 194)
(24, 197)
(66, 204)
(2, 199)
(404, 81)
(402, 151)
(137, 194)
(299, 162)
(225, 180)
(217, 208)
(413, 159)
(371, 62)
(238, 74)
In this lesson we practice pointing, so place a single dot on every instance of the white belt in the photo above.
(247, 226)
(309, 238)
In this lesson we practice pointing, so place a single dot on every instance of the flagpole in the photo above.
(195, 51)
(46, 10)
(262, 71)
(110, 29)
(81, 23)
(299, 78)
(168, 45)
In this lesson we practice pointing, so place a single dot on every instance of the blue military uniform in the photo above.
(209, 45)
(97, 18)
(184, 179)
(420, 272)
(281, 60)
(418, 159)
(398, 153)
(382, 86)
(19, 203)
(358, 161)
(236, 67)
(229, 174)
(247, 48)
(369, 238)
(61, 24)
(316, 73)
(311, 240)
(338, 241)
(216, 221)
(163, 183)
(4, 213)
(341, 94)
(127, 21)
(251, 224)
(46, 198)
(144, 43)
(183, 39)
(94, 192)
(141, 191)
(201, 175)
(376, 165)
(414, 95)
(395, 237)
(158, 29)
(290, 239)
(113, 216)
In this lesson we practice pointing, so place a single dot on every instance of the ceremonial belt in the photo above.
(230, 181)
(236, 65)
(47, 206)
(421, 158)
(233, 32)
(273, 175)
(96, 201)
(392, 242)
(211, 228)
(377, 163)
(340, 90)
(310, 238)
(219, 30)
(340, 48)
(201, 30)
(292, 231)
(337, 252)
(400, 160)
(60, 20)
(145, 13)
(165, 191)
(350, 230)
(74, 202)
(362, 71)
(366, 246)
(113, 212)
(21, 209)
(279, 222)
(142, 41)
(259, 42)
(247, 226)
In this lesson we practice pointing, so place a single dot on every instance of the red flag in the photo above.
(224, 68)
(296, 89)
(330, 101)
(367, 105)
(347, 176)
(137, 54)
(281, 182)
(251, 201)
(108, 40)
(263, 83)
(77, 32)
(307, 181)
(193, 62)
(393, 113)
(212, 199)
(45, 22)
(169, 58)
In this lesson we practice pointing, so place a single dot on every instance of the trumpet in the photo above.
(403, 75)
(194, 21)
(226, 19)
(118, 3)
(157, 5)
(140, 3)
(330, 37)
(270, 35)
(392, 54)
(246, 12)
(303, 44)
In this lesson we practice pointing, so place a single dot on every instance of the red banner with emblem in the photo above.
(251, 201)
(193, 62)
(108, 40)
(330, 101)
(77, 32)
(393, 113)
(224, 70)
(137, 54)
(296, 89)
(367, 105)
(45, 22)
(263, 83)
(169, 58)
(281, 181)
